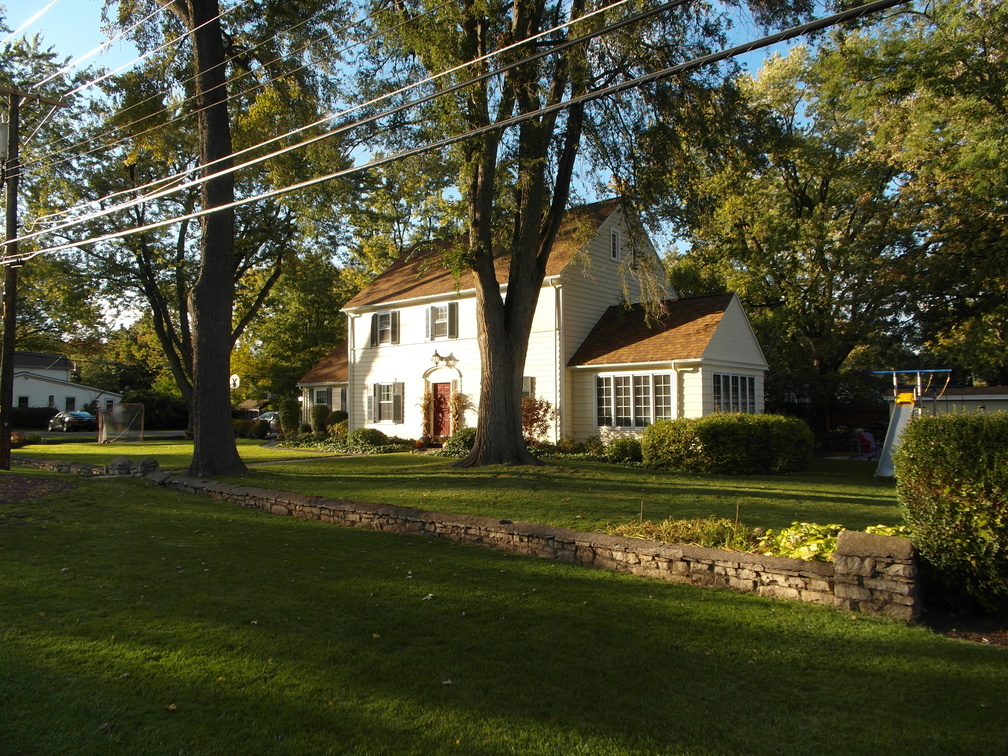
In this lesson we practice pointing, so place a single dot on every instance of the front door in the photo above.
(442, 409)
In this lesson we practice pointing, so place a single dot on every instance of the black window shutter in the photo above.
(395, 326)
(374, 329)
(397, 402)
(453, 320)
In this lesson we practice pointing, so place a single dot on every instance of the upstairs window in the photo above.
(442, 321)
(385, 328)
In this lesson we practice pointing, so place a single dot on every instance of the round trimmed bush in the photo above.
(319, 415)
(336, 416)
(290, 415)
(729, 444)
(952, 483)
(365, 437)
(459, 443)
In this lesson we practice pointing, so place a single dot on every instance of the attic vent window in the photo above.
(615, 246)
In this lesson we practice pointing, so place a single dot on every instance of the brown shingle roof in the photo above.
(330, 369)
(683, 332)
(422, 272)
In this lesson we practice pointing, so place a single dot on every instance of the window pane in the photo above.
(385, 328)
(642, 400)
(441, 322)
(663, 397)
(603, 400)
(752, 393)
(717, 393)
(621, 388)
(734, 394)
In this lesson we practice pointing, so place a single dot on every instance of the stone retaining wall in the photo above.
(869, 574)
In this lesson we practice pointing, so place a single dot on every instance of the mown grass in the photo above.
(574, 494)
(171, 454)
(137, 620)
(590, 495)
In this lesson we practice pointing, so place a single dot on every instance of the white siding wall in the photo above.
(592, 283)
(33, 391)
(734, 343)
(410, 362)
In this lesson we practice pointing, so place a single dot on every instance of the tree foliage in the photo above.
(515, 183)
(932, 84)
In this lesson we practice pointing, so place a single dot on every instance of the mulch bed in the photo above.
(977, 628)
(19, 487)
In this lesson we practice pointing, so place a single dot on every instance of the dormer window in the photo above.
(615, 246)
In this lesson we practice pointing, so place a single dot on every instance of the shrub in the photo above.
(952, 484)
(459, 443)
(803, 540)
(710, 532)
(335, 417)
(17, 440)
(319, 414)
(304, 428)
(567, 445)
(242, 428)
(365, 439)
(536, 416)
(161, 411)
(623, 450)
(290, 415)
(338, 431)
(594, 445)
(730, 444)
(32, 418)
(260, 429)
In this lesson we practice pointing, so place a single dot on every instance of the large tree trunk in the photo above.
(212, 297)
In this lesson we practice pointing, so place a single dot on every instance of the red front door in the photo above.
(442, 411)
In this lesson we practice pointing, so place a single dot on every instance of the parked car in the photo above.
(73, 421)
(273, 418)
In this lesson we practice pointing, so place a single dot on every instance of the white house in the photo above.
(42, 379)
(605, 368)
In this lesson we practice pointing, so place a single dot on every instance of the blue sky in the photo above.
(71, 27)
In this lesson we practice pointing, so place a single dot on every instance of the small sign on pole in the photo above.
(235, 381)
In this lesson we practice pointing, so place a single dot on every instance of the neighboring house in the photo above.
(326, 383)
(42, 379)
(603, 367)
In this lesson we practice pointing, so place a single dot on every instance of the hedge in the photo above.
(952, 483)
(728, 444)
(32, 418)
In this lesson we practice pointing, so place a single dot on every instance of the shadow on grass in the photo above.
(147, 622)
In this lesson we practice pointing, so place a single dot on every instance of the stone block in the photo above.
(853, 592)
(887, 586)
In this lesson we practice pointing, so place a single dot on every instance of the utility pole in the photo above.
(12, 174)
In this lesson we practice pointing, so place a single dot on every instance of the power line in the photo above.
(56, 159)
(103, 46)
(176, 187)
(664, 73)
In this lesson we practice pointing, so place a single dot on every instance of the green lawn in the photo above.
(579, 495)
(172, 454)
(137, 620)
